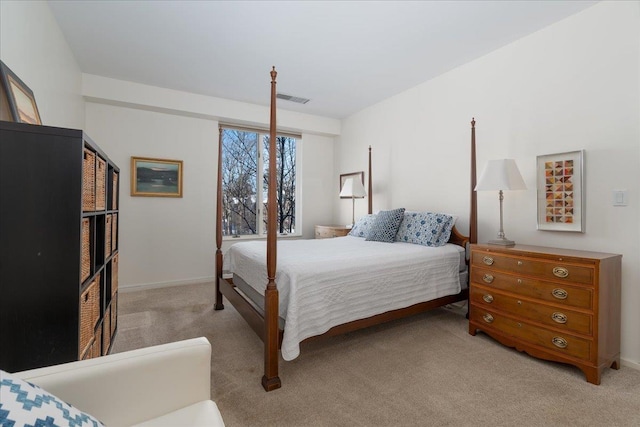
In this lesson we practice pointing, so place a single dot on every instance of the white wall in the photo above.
(33, 47)
(319, 182)
(571, 86)
(162, 240)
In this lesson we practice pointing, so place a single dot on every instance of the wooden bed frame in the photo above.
(265, 323)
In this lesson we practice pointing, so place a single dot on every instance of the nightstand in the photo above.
(555, 304)
(328, 231)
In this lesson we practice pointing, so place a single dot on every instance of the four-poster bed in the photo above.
(267, 313)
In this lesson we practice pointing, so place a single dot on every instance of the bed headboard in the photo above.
(458, 239)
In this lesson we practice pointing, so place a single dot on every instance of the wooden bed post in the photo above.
(219, 305)
(270, 380)
(370, 185)
(473, 220)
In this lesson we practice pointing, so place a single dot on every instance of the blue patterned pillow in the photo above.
(26, 404)
(425, 228)
(362, 226)
(385, 226)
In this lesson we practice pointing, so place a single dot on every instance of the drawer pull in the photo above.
(487, 298)
(487, 260)
(519, 281)
(487, 278)
(559, 317)
(488, 318)
(559, 342)
(519, 262)
(560, 272)
(559, 293)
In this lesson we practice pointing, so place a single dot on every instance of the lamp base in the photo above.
(502, 242)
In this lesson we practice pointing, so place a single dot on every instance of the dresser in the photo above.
(328, 231)
(555, 304)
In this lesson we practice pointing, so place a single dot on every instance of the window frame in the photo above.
(261, 232)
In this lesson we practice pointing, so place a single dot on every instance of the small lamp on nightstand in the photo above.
(501, 175)
(353, 188)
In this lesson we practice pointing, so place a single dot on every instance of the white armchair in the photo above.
(164, 385)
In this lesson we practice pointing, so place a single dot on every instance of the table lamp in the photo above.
(501, 175)
(353, 188)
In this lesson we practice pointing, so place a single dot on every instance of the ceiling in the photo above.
(342, 55)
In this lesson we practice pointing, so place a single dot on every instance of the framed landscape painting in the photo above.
(560, 184)
(156, 177)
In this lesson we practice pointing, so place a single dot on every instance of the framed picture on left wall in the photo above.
(19, 98)
(152, 177)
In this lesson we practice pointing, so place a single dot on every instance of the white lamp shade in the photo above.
(352, 188)
(502, 174)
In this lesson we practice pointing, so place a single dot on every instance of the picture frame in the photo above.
(19, 98)
(152, 177)
(560, 188)
(345, 176)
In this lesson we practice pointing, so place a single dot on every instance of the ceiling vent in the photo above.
(292, 98)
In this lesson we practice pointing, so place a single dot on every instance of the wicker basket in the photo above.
(106, 331)
(89, 181)
(107, 235)
(89, 314)
(114, 200)
(114, 274)
(85, 250)
(101, 177)
(114, 232)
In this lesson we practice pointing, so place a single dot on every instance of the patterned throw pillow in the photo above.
(26, 404)
(362, 226)
(425, 228)
(385, 226)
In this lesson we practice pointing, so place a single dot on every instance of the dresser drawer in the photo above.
(544, 269)
(574, 296)
(557, 342)
(528, 309)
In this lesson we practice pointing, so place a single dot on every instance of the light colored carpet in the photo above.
(422, 371)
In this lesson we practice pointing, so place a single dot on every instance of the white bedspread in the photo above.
(327, 282)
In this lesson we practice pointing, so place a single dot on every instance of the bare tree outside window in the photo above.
(245, 162)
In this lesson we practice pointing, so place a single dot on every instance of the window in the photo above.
(245, 182)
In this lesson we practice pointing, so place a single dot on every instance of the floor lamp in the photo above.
(501, 175)
(353, 188)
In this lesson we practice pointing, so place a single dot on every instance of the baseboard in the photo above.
(630, 364)
(143, 286)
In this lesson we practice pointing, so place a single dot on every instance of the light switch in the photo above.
(619, 197)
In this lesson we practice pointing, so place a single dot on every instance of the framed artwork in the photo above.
(19, 98)
(354, 175)
(156, 177)
(560, 184)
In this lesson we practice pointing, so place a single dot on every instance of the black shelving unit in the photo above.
(58, 280)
